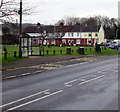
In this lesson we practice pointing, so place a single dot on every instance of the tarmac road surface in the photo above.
(81, 86)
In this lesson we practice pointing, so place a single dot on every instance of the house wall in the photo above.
(101, 36)
(0, 30)
(95, 37)
(83, 37)
(80, 38)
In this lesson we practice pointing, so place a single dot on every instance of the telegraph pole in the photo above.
(117, 33)
(20, 29)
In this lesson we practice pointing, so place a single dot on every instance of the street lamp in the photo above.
(20, 29)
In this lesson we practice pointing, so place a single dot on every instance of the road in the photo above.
(89, 85)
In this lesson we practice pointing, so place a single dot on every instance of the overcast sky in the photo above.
(50, 11)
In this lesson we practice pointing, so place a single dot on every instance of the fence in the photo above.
(6, 54)
(53, 52)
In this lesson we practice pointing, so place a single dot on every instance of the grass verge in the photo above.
(49, 51)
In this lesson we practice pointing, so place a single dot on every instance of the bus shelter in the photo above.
(31, 43)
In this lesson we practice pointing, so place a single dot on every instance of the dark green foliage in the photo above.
(10, 39)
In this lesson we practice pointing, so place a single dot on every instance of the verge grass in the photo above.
(10, 55)
(59, 51)
(88, 51)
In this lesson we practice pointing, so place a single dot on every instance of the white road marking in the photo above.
(68, 85)
(103, 70)
(23, 98)
(34, 100)
(91, 80)
(46, 92)
(100, 72)
(70, 81)
(106, 69)
(76, 64)
(115, 71)
(80, 78)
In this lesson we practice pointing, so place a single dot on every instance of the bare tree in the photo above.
(10, 8)
(110, 24)
(72, 20)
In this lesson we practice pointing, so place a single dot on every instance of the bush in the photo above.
(10, 39)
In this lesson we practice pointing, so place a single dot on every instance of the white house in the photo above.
(72, 35)
(85, 35)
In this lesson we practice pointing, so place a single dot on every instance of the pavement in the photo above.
(35, 61)
(36, 65)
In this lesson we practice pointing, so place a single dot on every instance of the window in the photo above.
(96, 34)
(97, 40)
(63, 41)
(40, 41)
(89, 41)
(77, 41)
(82, 35)
(72, 34)
(44, 42)
(89, 35)
(77, 34)
(68, 34)
(53, 42)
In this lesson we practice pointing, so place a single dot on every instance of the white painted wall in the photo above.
(101, 36)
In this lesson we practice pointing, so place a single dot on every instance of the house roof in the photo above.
(85, 28)
(52, 29)
(91, 28)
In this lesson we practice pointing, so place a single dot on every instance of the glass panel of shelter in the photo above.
(24, 45)
(30, 46)
(35, 46)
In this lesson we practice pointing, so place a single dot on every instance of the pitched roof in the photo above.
(91, 28)
(79, 28)
(52, 29)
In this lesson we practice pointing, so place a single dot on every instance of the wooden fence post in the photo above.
(60, 51)
(15, 54)
(5, 55)
(54, 52)
(47, 52)
(72, 51)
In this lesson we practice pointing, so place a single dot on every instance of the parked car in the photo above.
(115, 44)
(104, 44)
(114, 47)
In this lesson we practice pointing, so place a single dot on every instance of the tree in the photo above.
(72, 20)
(108, 23)
(90, 21)
(10, 8)
(118, 31)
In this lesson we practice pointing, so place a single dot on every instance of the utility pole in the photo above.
(91, 34)
(20, 29)
(117, 33)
